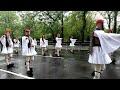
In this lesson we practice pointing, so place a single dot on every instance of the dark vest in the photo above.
(7, 44)
(95, 41)
(29, 43)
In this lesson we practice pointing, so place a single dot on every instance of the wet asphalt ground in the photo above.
(68, 66)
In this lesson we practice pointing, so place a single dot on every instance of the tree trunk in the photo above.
(109, 24)
(84, 25)
(115, 21)
(52, 33)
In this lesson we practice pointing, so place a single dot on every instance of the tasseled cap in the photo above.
(99, 21)
(27, 30)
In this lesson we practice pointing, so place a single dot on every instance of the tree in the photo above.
(53, 18)
(115, 21)
(108, 15)
(73, 24)
(84, 24)
(9, 19)
(90, 24)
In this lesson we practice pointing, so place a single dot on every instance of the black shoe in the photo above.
(16, 52)
(113, 61)
(31, 69)
(8, 66)
(93, 73)
(11, 65)
(29, 73)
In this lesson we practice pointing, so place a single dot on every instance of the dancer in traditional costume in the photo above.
(43, 44)
(28, 50)
(7, 48)
(46, 42)
(58, 45)
(16, 45)
(35, 42)
(72, 44)
(101, 44)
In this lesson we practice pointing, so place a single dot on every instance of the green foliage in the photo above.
(73, 26)
(11, 20)
(47, 23)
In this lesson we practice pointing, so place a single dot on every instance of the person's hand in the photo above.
(3, 35)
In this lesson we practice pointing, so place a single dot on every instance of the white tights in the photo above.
(98, 70)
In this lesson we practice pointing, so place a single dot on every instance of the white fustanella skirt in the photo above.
(29, 52)
(98, 57)
(6, 50)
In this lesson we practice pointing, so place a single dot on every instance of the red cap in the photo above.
(27, 30)
(99, 21)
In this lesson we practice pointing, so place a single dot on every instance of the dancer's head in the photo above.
(100, 23)
(71, 36)
(58, 35)
(43, 36)
(7, 34)
(27, 32)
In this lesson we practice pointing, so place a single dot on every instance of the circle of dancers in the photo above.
(102, 44)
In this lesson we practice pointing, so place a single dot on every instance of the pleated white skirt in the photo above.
(58, 45)
(16, 45)
(8, 50)
(98, 57)
(29, 52)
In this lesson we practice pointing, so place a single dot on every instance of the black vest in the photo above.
(29, 43)
(96, 41)
(7, 44)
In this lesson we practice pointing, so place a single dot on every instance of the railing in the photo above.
(86, 43)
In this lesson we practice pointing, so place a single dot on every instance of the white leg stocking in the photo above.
(97, 71)
(6, 58)
(28, 63)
